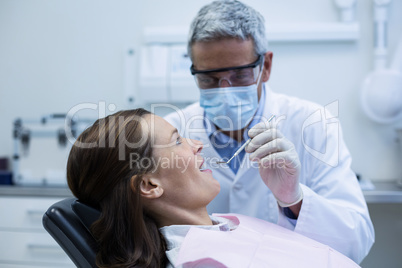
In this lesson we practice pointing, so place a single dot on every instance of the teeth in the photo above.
(202, 168)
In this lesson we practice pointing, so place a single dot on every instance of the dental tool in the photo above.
(242, 147)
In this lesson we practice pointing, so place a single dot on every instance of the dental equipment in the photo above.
(381, 92)
(243, 146)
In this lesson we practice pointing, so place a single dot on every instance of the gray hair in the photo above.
(228, 19)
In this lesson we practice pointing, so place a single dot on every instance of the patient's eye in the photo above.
(179, 140)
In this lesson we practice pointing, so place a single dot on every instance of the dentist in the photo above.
(296, 171)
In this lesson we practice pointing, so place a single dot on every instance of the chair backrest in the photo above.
(68, 222)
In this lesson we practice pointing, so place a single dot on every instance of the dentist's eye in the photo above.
(179, 140)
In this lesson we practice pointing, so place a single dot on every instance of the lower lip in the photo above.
(207, 170)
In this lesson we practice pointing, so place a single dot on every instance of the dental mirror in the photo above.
(242, 147)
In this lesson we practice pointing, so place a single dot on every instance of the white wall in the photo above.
(57, 54)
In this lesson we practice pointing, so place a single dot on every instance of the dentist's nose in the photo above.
(224, 82)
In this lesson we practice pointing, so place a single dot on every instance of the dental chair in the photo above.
(68, 222)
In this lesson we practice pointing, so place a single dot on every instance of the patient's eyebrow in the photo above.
(174, 132)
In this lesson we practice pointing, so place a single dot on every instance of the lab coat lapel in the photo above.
(244, 167)
(224, 170)
(269, 108)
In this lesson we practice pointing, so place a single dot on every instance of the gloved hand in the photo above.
(279, 164)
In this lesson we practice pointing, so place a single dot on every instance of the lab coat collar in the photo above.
(266, 101)
(204, 128)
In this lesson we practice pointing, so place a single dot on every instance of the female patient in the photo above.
(152, 190)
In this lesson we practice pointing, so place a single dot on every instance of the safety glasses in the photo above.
(244, 75)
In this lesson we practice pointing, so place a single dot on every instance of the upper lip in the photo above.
(202, 164)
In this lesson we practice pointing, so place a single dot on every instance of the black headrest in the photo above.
(70, 229)
(85, 213)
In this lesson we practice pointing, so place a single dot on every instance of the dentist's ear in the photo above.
(149, 186)
(268, 66)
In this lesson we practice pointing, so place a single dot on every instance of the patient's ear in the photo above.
(149, 186)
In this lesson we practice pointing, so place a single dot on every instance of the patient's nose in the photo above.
(197, 146)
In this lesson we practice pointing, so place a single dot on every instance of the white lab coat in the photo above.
(333, 211)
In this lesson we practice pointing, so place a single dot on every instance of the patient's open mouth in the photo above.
(202, 167)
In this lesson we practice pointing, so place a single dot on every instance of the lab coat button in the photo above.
(237, 187)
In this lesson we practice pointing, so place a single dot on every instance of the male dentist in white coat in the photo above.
(296, 170)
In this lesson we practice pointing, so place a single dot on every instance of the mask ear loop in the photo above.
(258, 82)
(261, 68)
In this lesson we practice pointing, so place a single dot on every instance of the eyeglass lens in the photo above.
(235, 78)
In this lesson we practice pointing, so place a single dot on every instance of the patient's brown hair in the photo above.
(100, 174)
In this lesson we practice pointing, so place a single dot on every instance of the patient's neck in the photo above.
(173, 216)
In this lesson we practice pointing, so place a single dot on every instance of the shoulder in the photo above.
(296, 115)
(305, 123)
(292, 107)
(180, 117)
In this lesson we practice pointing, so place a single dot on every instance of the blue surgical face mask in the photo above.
(230, 108)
